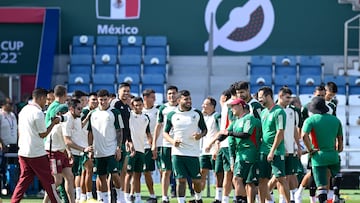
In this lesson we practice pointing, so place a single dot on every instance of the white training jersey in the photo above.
(31, 124)
(8, 127)
(185, 124)
(292, 121)
(102, 124)
(72, 129)
(212, 124)
(138, 124)
(152, 114)
(225, 122)
(164, 110)
(57, 139)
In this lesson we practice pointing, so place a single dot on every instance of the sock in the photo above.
(181, 199)
(165, 198)
(118, 194)
(330, 194)
(89, 195)
(99, 195)
(312, 199)
(127, 196)
(292, 192)
(105, 196)
(218, 193)
(77, 193)
(109, 196)
(82, 196)
(281, 198)
(137, 197)
(152, 196)
(300, 189)
(225, 199)
(197, 196)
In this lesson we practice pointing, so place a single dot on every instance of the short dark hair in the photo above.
(227, 94)
(93, 94)
(212, 101)
(184, 93)
(103, 93)
(172, 87)
(147, 92)
(320, 88)
(137, 99)
(59, 90)
(232, 89)
(39, 92)
(332, 87)
(285, 90)
(77, 94)
(242, 85)
(73, 103)
(267, 91)
(124, 84)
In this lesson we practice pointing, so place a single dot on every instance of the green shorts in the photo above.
(222, 162)
(207, 162)
(165, 159)
(320, 173)
(124, 153)
(149, 162)
(158, 160)
(291, 164)
(106, 165)
(186, 166)
(276, 167)
(247, 171)
(78, 164)
(136, 163)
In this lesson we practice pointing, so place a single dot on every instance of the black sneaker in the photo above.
(132, 198)
(164, 201)
(192, 201)
(216, 201)
(199, 201)
(151, 200)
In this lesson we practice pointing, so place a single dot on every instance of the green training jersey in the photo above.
(271, 121)
(245, 149)
(323, 129)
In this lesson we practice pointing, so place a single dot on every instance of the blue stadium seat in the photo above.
(156, 45)
(130, 64)
(78, 81)
(307, 83)
(155, 64)
(82, 44)
(104, 81)
(107, 45)
(154, 81)
(131, 45)
(282, 79)
(105, 64)
(310, 65)
(80, 64)
(258, 81)
(133, 79)
(285, 65)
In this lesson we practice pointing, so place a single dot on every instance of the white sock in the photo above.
(77, 193)
(152, 196)
(105, 197)
(137, 197)
(82, 196)
(165, 198)
(225, 199)
(197, 196)
(218, 193)
(313, 199)
(109, 196)
(89, 195)
(127, 196)
(181, 199)
(292, 192)
(99, 195)
(281, 199)
(119, 194)
(330, 194)
(300, 189)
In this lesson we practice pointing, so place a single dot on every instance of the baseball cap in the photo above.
(238, 101)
